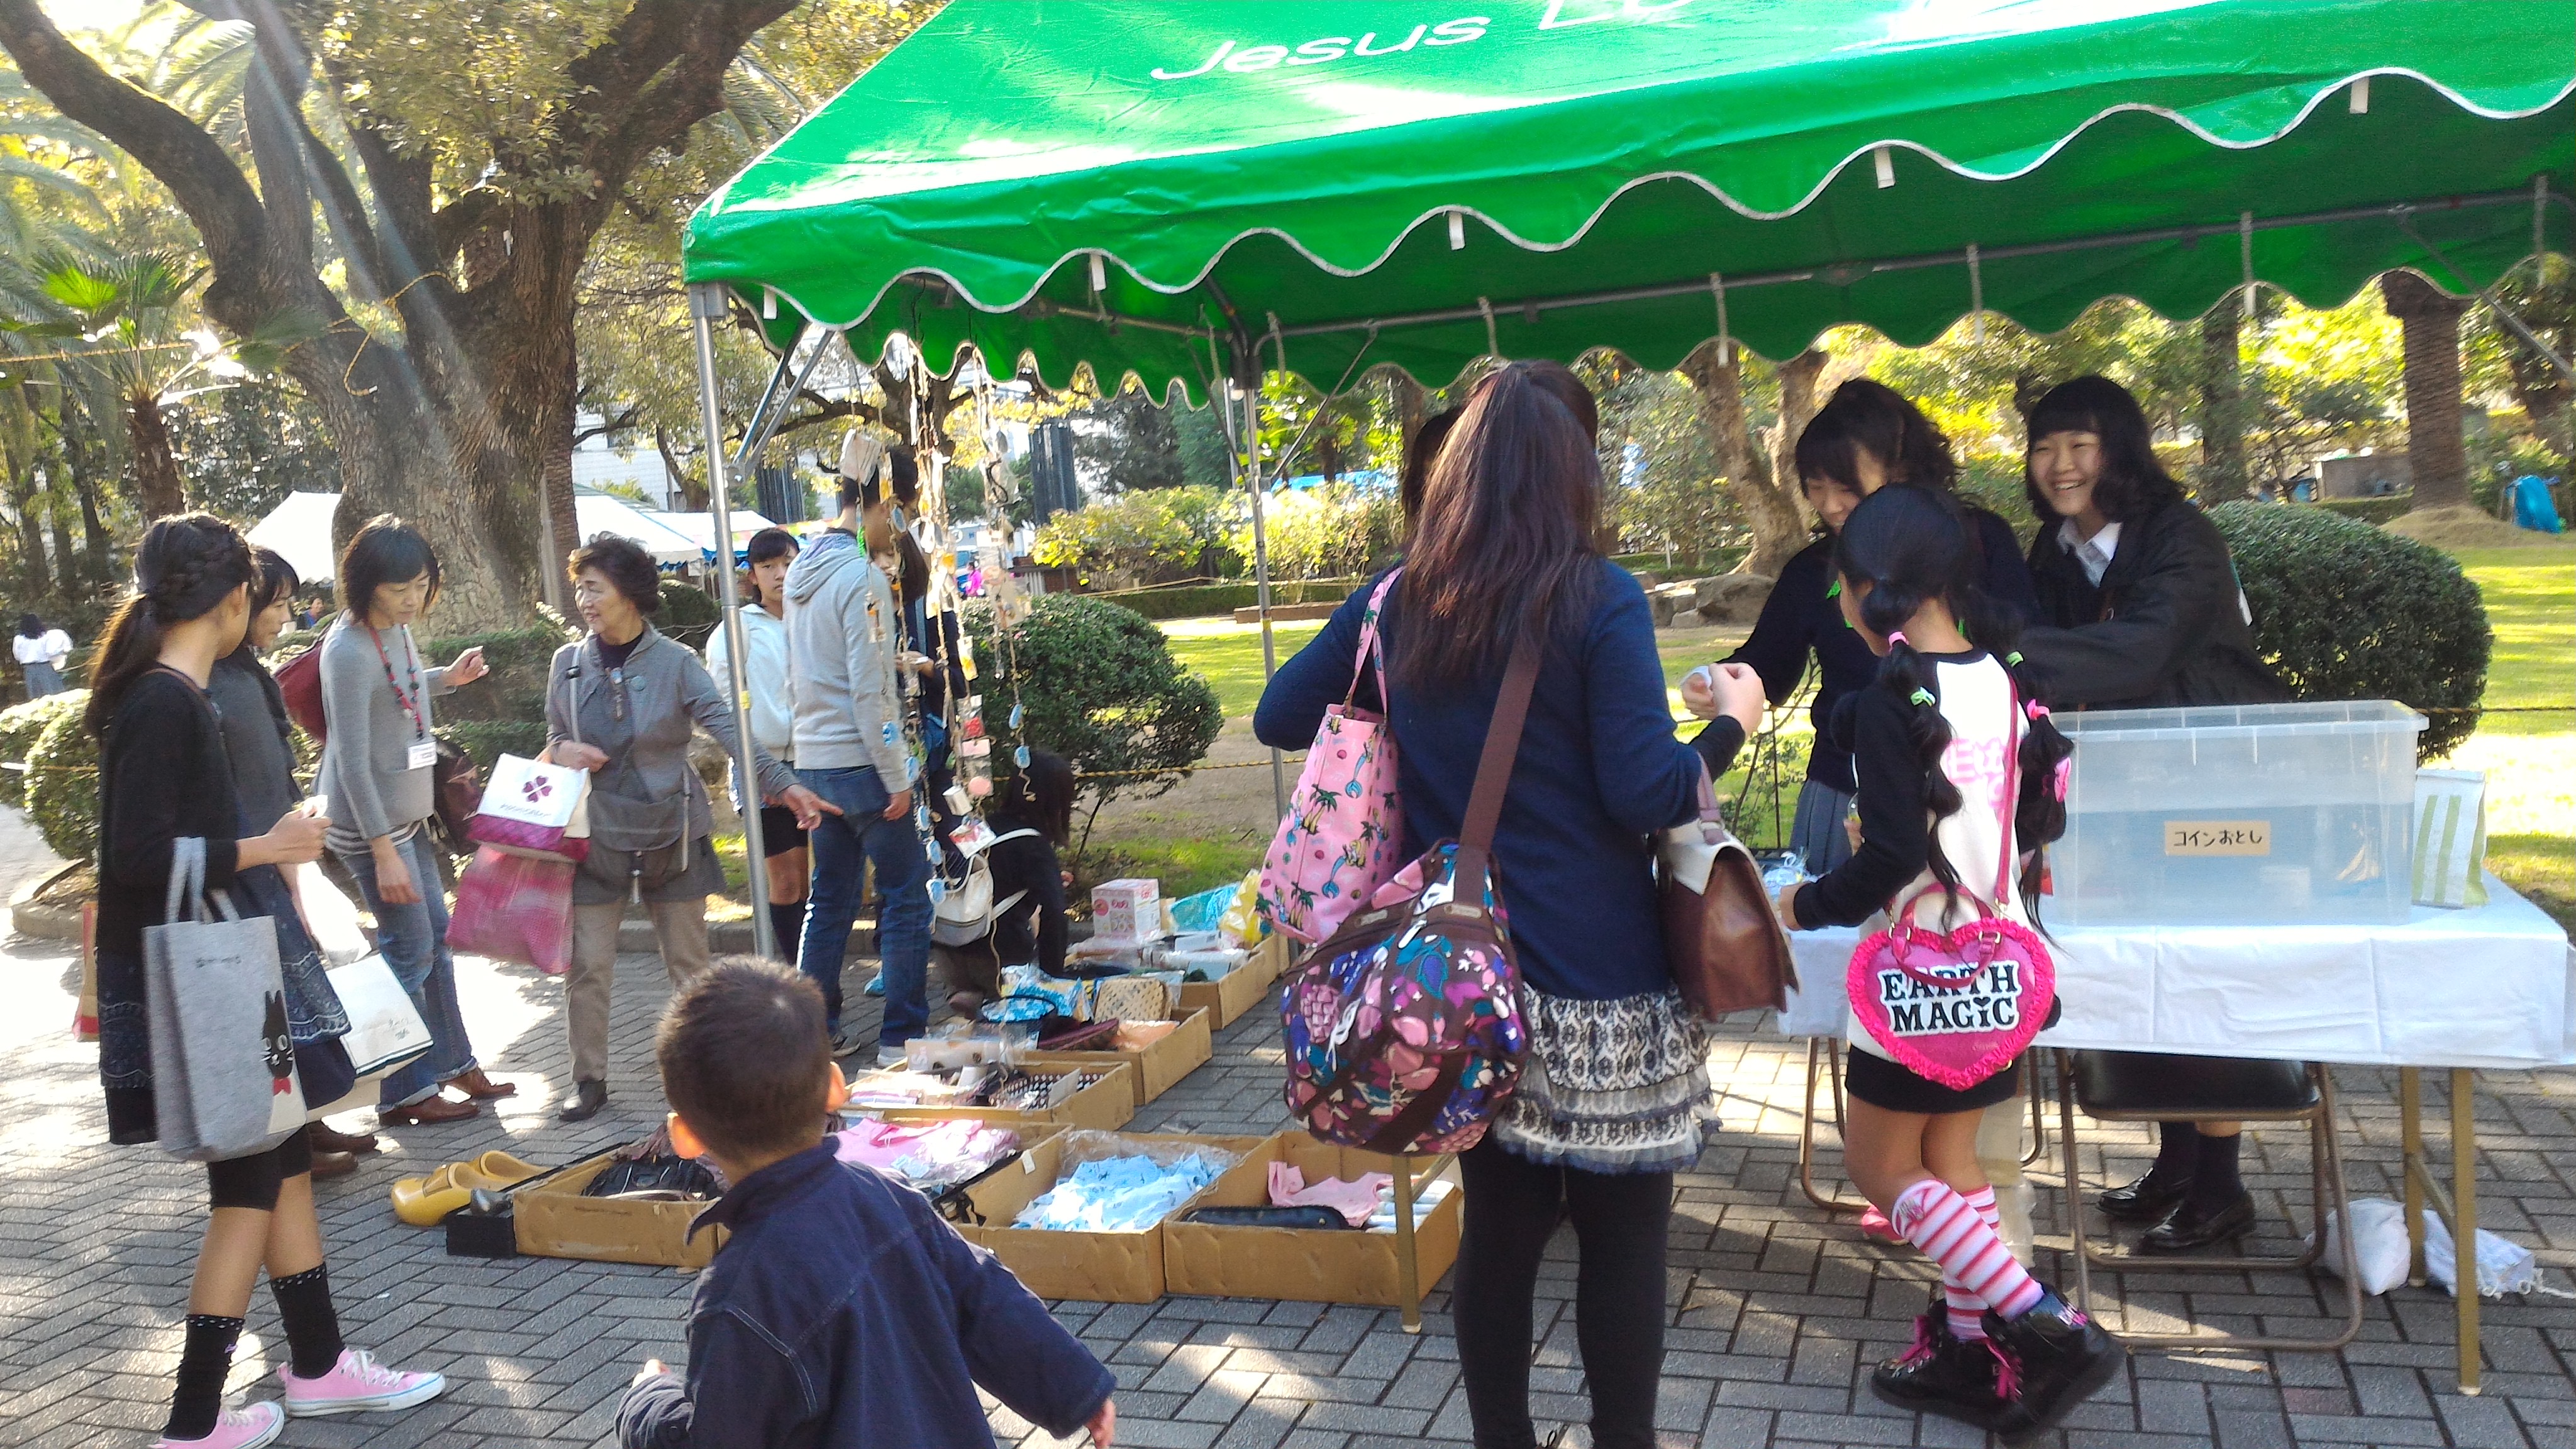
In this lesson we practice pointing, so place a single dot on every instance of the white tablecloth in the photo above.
(2489, 987)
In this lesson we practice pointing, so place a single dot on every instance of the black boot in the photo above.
(2058, 1358)
(1943, 1374)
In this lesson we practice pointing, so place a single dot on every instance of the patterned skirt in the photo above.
(1613, 1086)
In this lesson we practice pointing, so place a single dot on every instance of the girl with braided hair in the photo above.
(164, 777)
(1932, 741)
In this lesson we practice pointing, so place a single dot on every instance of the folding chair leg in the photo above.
(1807, 1133)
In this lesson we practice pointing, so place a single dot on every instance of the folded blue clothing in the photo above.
(1119, 1194)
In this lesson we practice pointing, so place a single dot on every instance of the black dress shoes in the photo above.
(588, 1098)
(2190, 1226)
(2146, 1200)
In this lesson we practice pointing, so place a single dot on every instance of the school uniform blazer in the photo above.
(2162, 628)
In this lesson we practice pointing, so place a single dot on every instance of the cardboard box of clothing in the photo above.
(1240, 990)
(555, 1221)
(1307, 1264)
(1159, 1063)
(1105, 1105)
(1092, 1267)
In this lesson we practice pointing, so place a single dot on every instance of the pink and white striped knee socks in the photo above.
(1967, 1310)
(1955, 1233)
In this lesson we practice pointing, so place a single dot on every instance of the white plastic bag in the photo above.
(2379, 1244)
(2504, 1266)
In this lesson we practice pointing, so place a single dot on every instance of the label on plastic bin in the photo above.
(2218, 837)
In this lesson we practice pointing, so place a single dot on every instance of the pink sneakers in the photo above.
(357, 1384)
(235, 1429)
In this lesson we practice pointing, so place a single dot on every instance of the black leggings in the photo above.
(253, 1181)
(1619, 1220)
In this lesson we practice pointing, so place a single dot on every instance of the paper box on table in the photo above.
(1129, 910)
(1309, 1265)
(1241, 989)
(1159, 1063)
(556, 1221)
(1121, 1267)
(1105, 1105)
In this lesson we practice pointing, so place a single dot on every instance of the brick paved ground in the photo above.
(1775, 1312)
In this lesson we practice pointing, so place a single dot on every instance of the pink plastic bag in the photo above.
(1343, 834)
(514, 908)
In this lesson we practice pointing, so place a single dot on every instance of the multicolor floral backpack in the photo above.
(1339, 840)
(1404, 1030)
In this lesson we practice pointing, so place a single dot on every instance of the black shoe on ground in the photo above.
(1943, 1374)
(588, 1098)
(2144, 1201)
(2190, 1226)
(852, 1039)
(2058, 1358)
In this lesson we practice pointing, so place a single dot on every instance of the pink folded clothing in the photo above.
(929, 1155)
(1353, 1200)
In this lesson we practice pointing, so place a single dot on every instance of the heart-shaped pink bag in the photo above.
(1957, 1007)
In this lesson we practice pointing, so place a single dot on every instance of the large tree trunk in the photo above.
(98, 551)
(1756, 469)
(158, 490)
(2222, 407)
(2435, 452)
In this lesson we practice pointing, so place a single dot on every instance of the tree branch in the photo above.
(451, 225)
(617, 424)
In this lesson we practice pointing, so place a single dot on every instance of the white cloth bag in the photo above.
(2450, 838)
(224, 1083)
(531, 792)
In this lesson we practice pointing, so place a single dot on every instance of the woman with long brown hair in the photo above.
(1612, 1102)
(164, 777)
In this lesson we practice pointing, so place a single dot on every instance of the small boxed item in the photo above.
(2237, 815)
(1239, 990)
(1162, 1052)
(1105, 1244)
(1128, 910)
(1311, 1265)
(2450, 838)
(556, 1221)
(1102, 1098)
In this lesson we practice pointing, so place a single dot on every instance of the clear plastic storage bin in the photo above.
(2262, 814)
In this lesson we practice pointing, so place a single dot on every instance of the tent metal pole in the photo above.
(774, 403)
(1261, 570)
(706, 304)
(1846, 273)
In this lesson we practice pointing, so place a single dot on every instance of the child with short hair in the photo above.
(842, 1311)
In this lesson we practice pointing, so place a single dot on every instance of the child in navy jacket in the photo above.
(842, 1313)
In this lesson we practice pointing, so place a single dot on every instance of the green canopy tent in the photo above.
(1193, 190)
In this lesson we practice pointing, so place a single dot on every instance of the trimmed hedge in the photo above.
(20, 727)
(1209, 599)
(2386, 508)
(62, 782)
(488, 740)
(1101, 689)
(2347, 611)
(518, 659)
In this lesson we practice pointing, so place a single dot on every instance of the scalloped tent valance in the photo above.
(1157, 186)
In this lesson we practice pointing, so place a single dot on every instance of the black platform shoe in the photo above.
(1944, 1374)
(2057, 1358)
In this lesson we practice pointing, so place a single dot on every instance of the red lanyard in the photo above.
(411, 666)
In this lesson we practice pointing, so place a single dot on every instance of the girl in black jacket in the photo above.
(2146, 612)
(1028, 922)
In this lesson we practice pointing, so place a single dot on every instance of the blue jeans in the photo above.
(413, 941)
(841, 842)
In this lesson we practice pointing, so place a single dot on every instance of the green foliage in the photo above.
(2369, 510)
(1330, 531)
(1130, 445)
(519, 660)
(489, 739)
(1101, 689)
(1156, 533)
(1207, 599)
(689, 614)
(245, 447)
(20, 727)
(62, 781)
(2347, 611)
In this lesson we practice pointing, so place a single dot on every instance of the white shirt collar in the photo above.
(2093, 553)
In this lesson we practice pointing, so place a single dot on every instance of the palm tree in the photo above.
(2435, 453)
(128, 317)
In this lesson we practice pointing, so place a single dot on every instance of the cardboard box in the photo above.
(556, 1221)
(1087, 1267)
(1129, 910)
(1159, 1063)
(1104, 1106)
(1238, 991)
(1306, 1264)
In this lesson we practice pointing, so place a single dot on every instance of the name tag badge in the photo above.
(421, 755)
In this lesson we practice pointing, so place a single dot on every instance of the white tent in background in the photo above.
(299, 528)
(596, 513)
(702, 527)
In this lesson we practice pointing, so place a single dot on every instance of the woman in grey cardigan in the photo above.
(376, 777)
(624, 703)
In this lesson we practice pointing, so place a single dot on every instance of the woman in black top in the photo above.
(1028, 923)
(2145, 610)
(1864, 438)
(163, 777)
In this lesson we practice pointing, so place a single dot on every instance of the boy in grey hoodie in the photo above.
(843, 638)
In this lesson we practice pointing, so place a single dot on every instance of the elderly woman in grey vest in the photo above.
(623, 703)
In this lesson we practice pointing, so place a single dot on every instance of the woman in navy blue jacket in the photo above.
(1612, 1103)
(1864, 438)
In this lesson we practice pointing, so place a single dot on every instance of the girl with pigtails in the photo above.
(1957, 766)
